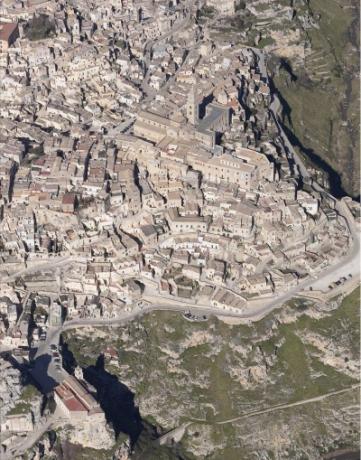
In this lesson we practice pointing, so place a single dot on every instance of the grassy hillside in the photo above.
(322, 102)
(211, 372)
(314, 59)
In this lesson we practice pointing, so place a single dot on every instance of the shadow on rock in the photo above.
(116, 400)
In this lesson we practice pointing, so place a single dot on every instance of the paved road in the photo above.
(351, 263)
(45, 368)
(343, 289)
(46, 371)
(31, 438)
(276, 110)
(42, 372)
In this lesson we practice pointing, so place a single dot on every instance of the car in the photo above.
(55, 353)
(350, 275)
(53, 346)
(57, 360)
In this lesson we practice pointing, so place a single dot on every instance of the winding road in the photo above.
(31, 438)
(48, 374)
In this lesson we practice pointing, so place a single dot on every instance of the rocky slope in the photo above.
(210, 373)
(321, 97)
(18, 395)
(314, 60)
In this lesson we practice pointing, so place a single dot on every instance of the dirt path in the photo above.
(286, 406)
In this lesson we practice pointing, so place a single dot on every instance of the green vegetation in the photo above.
(37, 151)
(327, 126)
(204, 370)
(78, 452)
(307, 375)
(304, 374)
(265, 42)
(29, 393)
(186, 287)
(341, 324)
(23, 405)
(40, 311)
(85, 349)
(39, 28)
(20, 408)
(206, 12)
(324, 129)
(300, 303)
(120, 43)
(147, 448)
(296, 371)
(33, 154)
(241, 5)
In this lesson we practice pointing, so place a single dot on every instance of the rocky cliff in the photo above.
(312, 46)
(223, 378)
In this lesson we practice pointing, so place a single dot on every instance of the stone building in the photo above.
(76, 402)
(9, 32)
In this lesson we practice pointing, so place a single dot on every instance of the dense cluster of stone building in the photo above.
(182, 187)
(138, 157)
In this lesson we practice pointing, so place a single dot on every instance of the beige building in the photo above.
(246, 173)
(154, 128)
(180, 224)
(224, 8)
(17, 423)
(9, 32)
(76, 402)
(226, 299)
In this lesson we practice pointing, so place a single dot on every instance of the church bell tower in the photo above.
(192, 107)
